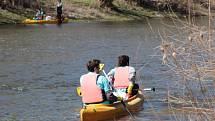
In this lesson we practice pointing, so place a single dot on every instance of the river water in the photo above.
(40, 66)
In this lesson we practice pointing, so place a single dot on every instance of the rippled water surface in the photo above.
(40, 66)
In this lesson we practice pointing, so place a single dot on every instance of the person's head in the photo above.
(123, 60)
(93, 65)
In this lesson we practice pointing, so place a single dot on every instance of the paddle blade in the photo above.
(101, 66)
(78, 90)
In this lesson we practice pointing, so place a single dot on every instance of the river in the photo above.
(40, 66)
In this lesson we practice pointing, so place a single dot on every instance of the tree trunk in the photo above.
(22, 3)
(3, 4)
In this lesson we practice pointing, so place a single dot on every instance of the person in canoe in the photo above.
(59, 11)
(39, 15)
(96, 88)
(123, 78)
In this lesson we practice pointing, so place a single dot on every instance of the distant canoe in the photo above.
(53, 21)
(100, 112)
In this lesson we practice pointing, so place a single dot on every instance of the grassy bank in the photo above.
(9, 17)
(84, 10)
(90, 10)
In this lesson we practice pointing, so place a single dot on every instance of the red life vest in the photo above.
(121, 77)
(91, 93)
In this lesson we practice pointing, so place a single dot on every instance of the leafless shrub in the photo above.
(190, 56)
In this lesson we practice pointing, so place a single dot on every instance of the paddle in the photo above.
(78, 90)
(124, 105)
(101, 67)
(149, 89)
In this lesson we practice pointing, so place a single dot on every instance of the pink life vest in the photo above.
(91, 93)
(121, 77)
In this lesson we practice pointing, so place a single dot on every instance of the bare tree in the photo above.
(22, 3)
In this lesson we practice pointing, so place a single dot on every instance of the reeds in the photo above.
(190, 57)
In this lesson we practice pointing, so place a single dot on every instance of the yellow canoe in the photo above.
(54, 21)
(100, 112)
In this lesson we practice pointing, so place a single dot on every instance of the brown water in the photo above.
(40, 66)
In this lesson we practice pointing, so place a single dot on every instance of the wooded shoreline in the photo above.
(15, 11)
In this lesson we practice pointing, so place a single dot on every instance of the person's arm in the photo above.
(104, 84)
(132, 78)
(81, 78)
(132, 74)
(111, 75)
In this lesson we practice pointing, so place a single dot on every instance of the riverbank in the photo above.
(7, 17)
(90, 10)
(84, 10)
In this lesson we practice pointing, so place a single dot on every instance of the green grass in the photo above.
(83, 2)
(87, 10)
(9, 17)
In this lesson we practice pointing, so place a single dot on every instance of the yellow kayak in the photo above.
(98, 112)
(54, 21)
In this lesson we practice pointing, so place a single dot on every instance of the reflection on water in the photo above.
(41, 66)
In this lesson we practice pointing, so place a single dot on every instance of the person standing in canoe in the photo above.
(59, 11)
(123, 78)
(96, 88)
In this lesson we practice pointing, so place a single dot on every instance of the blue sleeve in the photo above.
(103, 83)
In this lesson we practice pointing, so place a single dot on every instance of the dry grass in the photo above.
(190, 57)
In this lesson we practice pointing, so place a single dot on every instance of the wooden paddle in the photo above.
(101, 68)
(124, 105)
(78, 90)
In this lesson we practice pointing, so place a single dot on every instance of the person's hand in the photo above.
(119, 98)
(126, 97)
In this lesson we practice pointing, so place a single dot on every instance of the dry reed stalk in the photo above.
(190, 58)
(200, 110)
